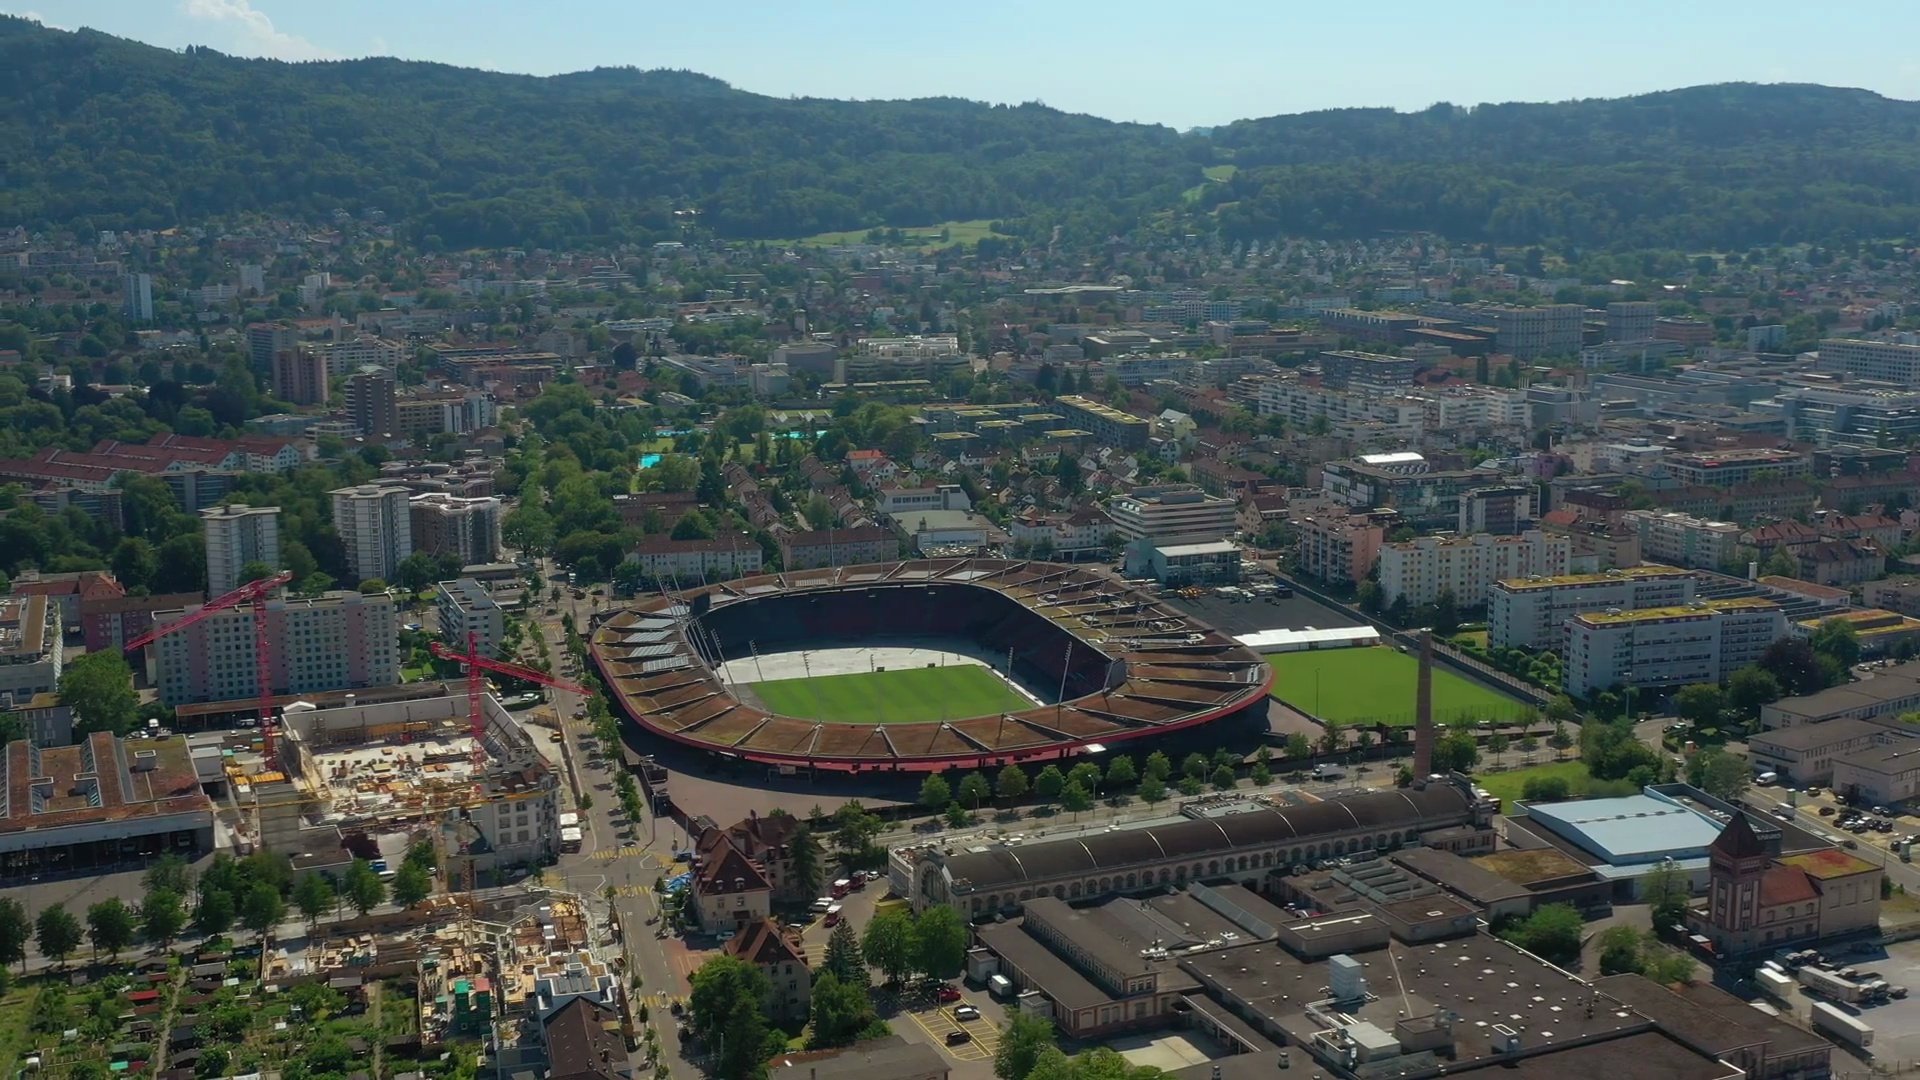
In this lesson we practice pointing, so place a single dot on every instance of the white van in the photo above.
(821, 905)
(1766, 778)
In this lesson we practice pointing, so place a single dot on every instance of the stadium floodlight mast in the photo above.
(1065, 666)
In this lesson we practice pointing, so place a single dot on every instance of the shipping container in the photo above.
(1774, 984)
(1829, 984)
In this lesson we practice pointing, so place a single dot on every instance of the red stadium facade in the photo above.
(1131, 668)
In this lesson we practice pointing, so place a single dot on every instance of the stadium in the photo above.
(919, 666)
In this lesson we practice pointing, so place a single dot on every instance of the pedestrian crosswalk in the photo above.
(605, 854)
(632, 890)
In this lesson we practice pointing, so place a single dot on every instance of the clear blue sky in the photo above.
(1184, 64)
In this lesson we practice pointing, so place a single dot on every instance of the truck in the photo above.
(1831, 985)
(1774, 984)
(1000, 986)
(1849, 1029)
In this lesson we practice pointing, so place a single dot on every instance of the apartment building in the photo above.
(689, 561)
(1062, 535)
(1856, 416)
(1502, 511)
(336, 641)
(1420, 570)
(375, 526)
(136, 297)
(300, 377)
(1170, 512)
(1425, 497)
(268, 340)
(466, 608)
(1302, 404)
(1665, 647)
(1348, 370)
(838, 547)
(1881, 361)
(1631, 320)
(371, 397)
(235, 536)
(1110, 426)
(1531, 613)
(894, 501)
(1733, 468)
(1382, 327)
(32, 653)
(347, 357)
(1529, 333)
(467, 528)
(1338, 547)
(1683, 540)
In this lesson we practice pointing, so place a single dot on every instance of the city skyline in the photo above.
(1098, 59)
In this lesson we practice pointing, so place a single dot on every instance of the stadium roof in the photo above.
(1283, 640)
(1632, 829)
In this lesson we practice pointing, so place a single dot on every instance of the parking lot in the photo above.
(1896, 1024)
(937, 1021)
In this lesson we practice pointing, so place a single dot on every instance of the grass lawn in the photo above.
(909, 696)
(1220, 173)
(16, 1011)
(1508, 785)
(1375, 684)
(958, 232)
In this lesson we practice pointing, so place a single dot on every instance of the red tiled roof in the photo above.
(1786, 885)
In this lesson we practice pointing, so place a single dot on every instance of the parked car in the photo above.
(946, 994)
(958, 1036)
(966, 1012)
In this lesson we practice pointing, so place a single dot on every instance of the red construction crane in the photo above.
(475, 663)
(252, 592)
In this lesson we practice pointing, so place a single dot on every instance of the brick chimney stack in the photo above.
(1423, 712)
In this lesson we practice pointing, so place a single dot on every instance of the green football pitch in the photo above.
(1375, 684)
(907, 696)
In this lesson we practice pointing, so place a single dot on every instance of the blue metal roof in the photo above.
(1633, 829)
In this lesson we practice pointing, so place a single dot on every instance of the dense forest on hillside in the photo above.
(104, 132)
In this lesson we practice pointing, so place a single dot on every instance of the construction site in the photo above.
(325, 786)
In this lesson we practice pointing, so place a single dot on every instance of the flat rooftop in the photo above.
(1628, 573)
(1697, 610)
(1482, 980)
(1633, 828)
(100, 780)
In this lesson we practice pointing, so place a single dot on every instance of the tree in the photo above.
(1121, 774)
(253, 571)
(1560, 741)
(888, 944)
(957, 816)
(1076, 798)
(1561, 711)
(1021, 1045)
(169, 873)
(15, 931)
(1665, 888)
(1223, 778)
(727, 1012)
(803, 860)
(1194, 767)
(1446, 614)
(1700, 704)
(1048, 782)
(362, 887)
(973, 788)
(1750, 688)
(839, 1012)
(261, 909)
(1455, 751)
(1552, 933)
(1719, 773)
(935, 792)
(99, 687)
(417, 571)
(411, 885)
(1619, 950)
(1087, 775)
(162, 916)
(1261, 774)
(214, 914)
(940, 942)
(1153, 789)
(843, 959)
(110, 926)
(421, 853)
(1545, 789)
(57, 933)
(1298, 747)
(1497, 744)
(854, 828)
(1795, 666)
(1837, 640)
(1012, 783)
(1159, 766)
(314, 897)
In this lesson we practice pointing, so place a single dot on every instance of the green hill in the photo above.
(104, 133)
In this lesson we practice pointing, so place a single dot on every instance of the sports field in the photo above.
(907, 696)
(1375, 684)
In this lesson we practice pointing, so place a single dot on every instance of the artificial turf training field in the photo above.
(1375, 684)
(908, 696)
